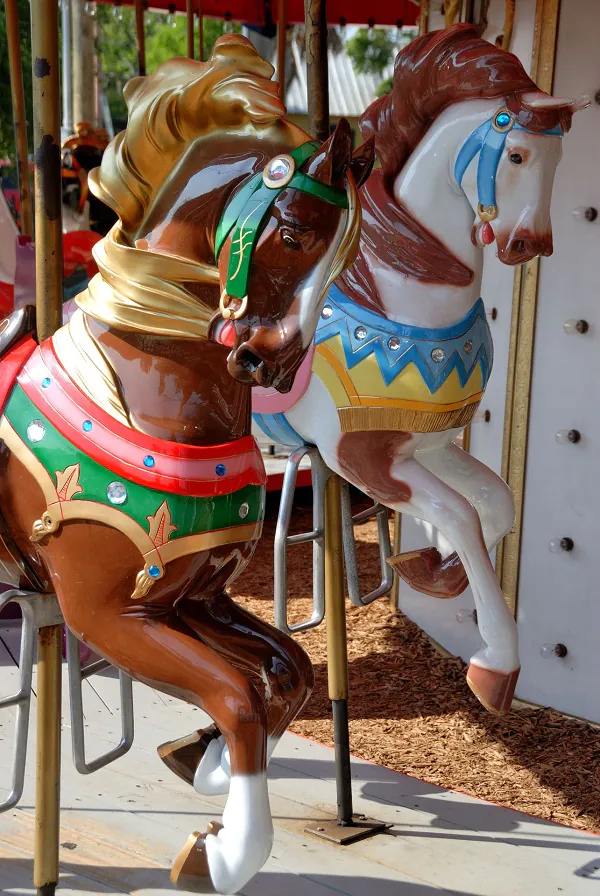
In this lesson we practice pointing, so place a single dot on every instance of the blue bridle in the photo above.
(488, 140)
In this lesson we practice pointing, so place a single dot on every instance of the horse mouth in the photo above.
(523, 248)
(249, 367)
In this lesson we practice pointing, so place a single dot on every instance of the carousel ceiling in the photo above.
(264, 12)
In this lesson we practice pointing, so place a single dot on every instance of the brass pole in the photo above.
(47, 777)
(18, 107)
(281, 47)
(190, 27)
(200, 32)
(141, 36)
(315, 12)
(49, 296)
(424, 17)
(337, 646)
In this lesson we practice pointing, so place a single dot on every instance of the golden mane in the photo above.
(179, 103)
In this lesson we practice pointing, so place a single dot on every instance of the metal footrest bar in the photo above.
(320, 475)
(38, 611)
(385, 549)
(77, 675)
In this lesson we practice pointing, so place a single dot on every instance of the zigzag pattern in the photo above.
(416, 343)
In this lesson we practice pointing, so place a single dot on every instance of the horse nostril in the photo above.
(519, 247)
(248, 360)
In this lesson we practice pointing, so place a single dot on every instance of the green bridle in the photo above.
(247, 211)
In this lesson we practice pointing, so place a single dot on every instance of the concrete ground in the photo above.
(122, 826)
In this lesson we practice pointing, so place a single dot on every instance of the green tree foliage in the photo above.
(7, 135)
(117, 48)
(371, 50)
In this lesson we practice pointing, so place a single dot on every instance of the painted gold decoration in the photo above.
(67, 482)
(44, 527)
(161, 527)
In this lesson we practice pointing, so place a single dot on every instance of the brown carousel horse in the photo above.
(130, 484)
(82, 152)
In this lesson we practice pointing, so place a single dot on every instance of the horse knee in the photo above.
(293, 670)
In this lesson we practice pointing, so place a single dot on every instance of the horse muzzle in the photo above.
(246, 364)
(522, 247)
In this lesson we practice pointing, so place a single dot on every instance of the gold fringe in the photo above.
(404, 419)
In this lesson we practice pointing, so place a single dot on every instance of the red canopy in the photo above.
(262, 12)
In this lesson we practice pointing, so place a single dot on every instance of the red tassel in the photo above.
(487, 234)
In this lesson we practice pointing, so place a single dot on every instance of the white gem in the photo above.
(360, 333)
(278, 169)
(244, 510)
(327, 311)
(116, 493)
(36, 431)
(438, 355)
(394, 343)
(468, 347)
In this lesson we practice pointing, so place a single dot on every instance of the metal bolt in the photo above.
(567, 544)
(590, 213)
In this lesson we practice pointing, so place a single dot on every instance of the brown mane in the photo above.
(430, 74)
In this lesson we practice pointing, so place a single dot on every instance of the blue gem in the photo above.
(87, 426)
(220, 469)
(503, 119)
(149, 461)
(46, 382)
(154, 571)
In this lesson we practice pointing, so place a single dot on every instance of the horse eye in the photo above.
(289, 241)
(516, 158)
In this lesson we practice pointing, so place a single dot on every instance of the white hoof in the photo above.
(244, 843)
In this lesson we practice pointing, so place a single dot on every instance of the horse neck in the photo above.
(426, 189)
(175, 389)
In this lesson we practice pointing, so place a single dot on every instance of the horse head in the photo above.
(242, 219)
(290, 239)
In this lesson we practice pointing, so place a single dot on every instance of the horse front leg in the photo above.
(390, 474)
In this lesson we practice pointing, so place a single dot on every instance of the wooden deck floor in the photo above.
(121, 827)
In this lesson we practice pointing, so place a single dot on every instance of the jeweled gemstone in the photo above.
(116, 493)
(36, 431)
(468, 347)
(503, 119)
(244, 510)
(279, 168)
(394, 343)
(87, 426)
(438, 355)
(154, 571)
(220, 469)
(327, 311)
(46, 382)
(149, 461)
(360, 333)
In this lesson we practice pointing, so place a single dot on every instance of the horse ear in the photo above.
(330, 162)
(362, 162)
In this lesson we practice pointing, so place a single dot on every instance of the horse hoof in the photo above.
(190, 870)
(183, 756)
(495, 690)
(425, 571)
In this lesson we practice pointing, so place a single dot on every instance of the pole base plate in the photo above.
(361, 828)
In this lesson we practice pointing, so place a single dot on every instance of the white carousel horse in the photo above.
(468, 148)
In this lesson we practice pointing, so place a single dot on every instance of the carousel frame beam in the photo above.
(189, 12)
(521, 347)
(200, 14)
(19, 115)
(282, 46)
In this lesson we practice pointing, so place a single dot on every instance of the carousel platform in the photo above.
(122, 826)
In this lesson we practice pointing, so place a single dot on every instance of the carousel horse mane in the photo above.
(433, 72)
(182, 102)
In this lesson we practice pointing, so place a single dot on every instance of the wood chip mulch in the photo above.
(411, 709)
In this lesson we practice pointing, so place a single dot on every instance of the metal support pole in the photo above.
(337, 646)
(49, 296)
(67, 71)
(141, 36)
(395, 594)
(47, 778)
(348, 827)
(84, 63)
(315, 12)
(18, 107)
(423, 16)
(189, 6)
(281, 47)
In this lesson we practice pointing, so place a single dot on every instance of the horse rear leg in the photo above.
(278, 667)
(159, 649)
